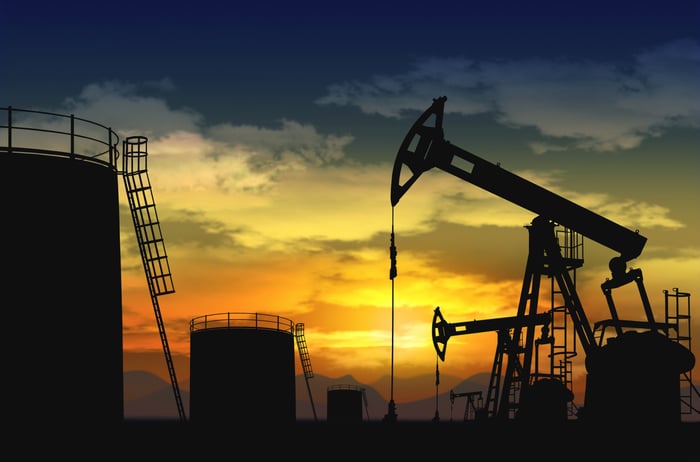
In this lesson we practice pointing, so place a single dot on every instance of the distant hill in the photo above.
(422, 409)
(147, 396)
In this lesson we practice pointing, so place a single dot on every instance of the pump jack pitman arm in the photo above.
(424, 147)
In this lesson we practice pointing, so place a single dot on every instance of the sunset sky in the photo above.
(272, 132)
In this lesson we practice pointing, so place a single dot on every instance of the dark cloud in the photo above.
(589, 104)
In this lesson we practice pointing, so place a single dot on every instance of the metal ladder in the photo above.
(305, 361)
(563, 346)
(677, 310)
(150, 240)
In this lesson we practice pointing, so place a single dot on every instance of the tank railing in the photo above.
(241, 320)
(345, 386)
(93, 142)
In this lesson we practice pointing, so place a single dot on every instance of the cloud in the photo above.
(189, 228)
(641, 214)
(130, 109)
(290, 186)
(294, 143)
(192, 162)
(591, 105)
(194, 156)
(393, 96)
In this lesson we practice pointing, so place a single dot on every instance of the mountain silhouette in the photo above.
(149, 397)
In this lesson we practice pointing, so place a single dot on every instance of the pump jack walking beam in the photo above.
(424, 147)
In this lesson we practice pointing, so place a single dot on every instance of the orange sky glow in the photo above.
(280, 263)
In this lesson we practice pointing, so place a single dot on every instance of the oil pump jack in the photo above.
(643, 353)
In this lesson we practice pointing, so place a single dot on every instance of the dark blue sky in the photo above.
(257, 61)
(561, 77)
(570, 79)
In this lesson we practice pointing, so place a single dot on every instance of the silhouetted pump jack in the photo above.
(425, 147)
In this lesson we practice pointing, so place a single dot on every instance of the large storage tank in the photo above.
(344, 403)
(635, 379)
(242, 369)
(62, 278)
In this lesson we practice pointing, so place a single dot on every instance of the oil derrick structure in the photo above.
(150, 241)
(473, 408)
(305, 361)
(510, 371)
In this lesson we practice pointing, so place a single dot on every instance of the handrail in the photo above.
(344, 386)
(241, 320)
(82, 144)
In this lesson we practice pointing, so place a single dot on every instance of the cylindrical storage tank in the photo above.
(62, 281)
(635, 379)
(344, 404)
(545, 401)
(242, 369)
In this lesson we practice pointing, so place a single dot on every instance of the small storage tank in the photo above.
(545, 401)
(344, 404)
(60, 243)
(242, 369)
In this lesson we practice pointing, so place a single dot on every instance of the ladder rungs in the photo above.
(139, 189)
(141, 207)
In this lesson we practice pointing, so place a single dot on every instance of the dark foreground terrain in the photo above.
(407, 440)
